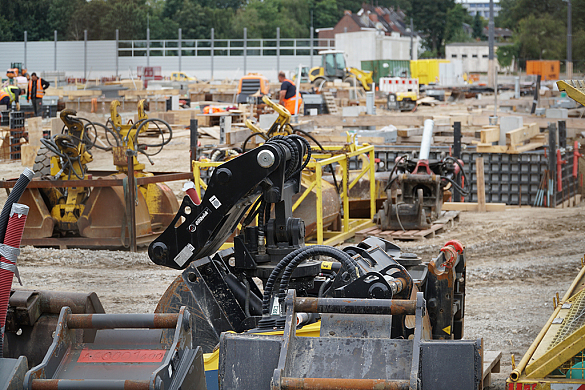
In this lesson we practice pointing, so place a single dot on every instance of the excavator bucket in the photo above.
(104, 216)
(39, 223)
(162, 205)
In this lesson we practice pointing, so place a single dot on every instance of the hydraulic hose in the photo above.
(9, 251)
(316, 250)
(350, 264)
(21, 184)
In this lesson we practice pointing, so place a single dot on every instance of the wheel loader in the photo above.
(92, 211)
(333, 67)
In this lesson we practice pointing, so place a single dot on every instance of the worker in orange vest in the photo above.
(290, 98)
(9, 95)
(36, 90)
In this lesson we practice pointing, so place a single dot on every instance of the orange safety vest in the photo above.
(291, 103)
(3, 94)
(40, 91)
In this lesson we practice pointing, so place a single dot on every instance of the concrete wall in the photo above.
(101, 61)
(474, 58)
(371, 45)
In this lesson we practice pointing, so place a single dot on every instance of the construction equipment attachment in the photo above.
(417, 188)
(556, 360)
(129, 351)
(386, 318)
(575, 89)
(32, 318)
(71, 205)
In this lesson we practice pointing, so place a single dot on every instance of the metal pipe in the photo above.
(312, 33)
(427, 140)
(212, 49)
(84, 56)
(89, 384)
(55, 56)
(131, 201)
(111, 321)
(180, 36)
(117, 49)
(277, 50)
(245, 48)
(411, 40)
(148, 47)
(25, 41)
(355, 306)
(342, 384)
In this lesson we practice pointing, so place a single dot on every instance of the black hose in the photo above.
(323, 149)
(391, 180)
(19, 187)
(316, 250)
(322, 290)
(282, 264)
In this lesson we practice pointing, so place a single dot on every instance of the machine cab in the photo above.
(333, 63)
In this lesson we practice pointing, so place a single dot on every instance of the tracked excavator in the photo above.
(272, 313)
(96, 212)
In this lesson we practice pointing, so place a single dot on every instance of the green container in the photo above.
(387, 68)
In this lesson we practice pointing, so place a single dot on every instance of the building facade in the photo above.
(473, 55)
(480, 6)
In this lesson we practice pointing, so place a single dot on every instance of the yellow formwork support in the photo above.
(541, 363)
(319, 160)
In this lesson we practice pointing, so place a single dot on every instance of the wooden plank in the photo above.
(529, 146)
(410, 132)
(490, 135)
(340, 139)
(472, 206)
(489, 148)
(369, 120)
(28, 153)
(522, 134)
(147, 92)
(479, 168)
(35, 130)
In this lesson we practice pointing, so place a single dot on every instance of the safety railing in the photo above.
(223, 47)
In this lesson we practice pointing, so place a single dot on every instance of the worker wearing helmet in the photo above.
(9, 95)
(289, 96)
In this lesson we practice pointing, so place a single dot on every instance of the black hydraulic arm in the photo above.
(199, 230)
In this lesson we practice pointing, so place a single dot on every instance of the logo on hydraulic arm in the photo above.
(199, 219)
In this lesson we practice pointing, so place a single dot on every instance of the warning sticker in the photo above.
(326, 265)
(121, 356)
(275, 307)
(215, 202)
(447, 329)
(184, 255)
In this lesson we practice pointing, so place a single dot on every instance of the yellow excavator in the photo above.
(334, 67)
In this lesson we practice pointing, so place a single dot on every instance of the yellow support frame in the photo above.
(319, 160)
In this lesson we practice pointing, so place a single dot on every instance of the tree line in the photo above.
(539, 26)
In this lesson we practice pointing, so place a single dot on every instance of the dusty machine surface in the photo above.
(87, 208)
(416, 188)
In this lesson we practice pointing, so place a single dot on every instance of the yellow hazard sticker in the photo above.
(326, 265)
(447, 329)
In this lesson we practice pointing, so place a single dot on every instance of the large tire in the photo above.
(42, 165)
(319, 83)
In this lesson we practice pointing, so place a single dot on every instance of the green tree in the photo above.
(261, 18)
(512, 11)
(541, 37)
(477, 27)
(507, 53)
(454, 31)
(429, 18)
(324, 13)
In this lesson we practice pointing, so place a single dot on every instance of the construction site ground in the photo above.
(517, 261)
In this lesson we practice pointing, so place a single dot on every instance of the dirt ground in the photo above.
(517, 261)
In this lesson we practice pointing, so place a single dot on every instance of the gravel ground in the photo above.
(517, 261)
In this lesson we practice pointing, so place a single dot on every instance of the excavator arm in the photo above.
(198, 230)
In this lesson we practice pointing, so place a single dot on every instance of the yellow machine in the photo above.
(575, 89)
(333, 67)
(281, 125)
(82, 207)
(182, 76)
